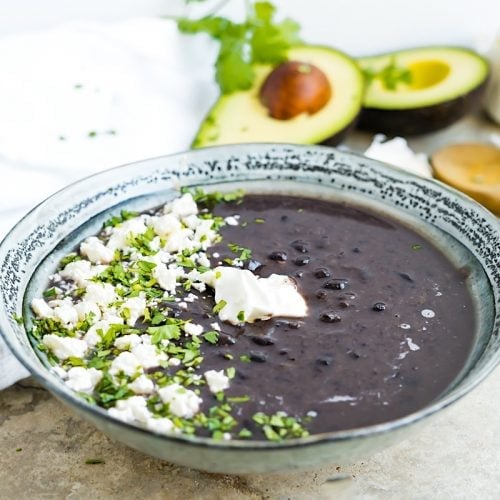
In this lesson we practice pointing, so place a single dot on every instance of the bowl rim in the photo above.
(56, 386)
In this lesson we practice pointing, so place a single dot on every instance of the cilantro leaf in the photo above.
(164, 332)
(257, 40)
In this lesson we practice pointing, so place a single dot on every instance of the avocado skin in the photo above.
(422, 120)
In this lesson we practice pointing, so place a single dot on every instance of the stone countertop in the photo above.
(45, 447)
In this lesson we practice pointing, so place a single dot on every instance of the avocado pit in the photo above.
(293, 88)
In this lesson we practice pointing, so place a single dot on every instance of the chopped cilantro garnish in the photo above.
(118, 219)
(219, 306)
(94, 461)
(231, 371)
(72, 257)
(245, 358)
(212, 337)
(245, 253)
(50, 293)
(258, 220)
(416, 247)
(164, 332)
(210, 200)
(279, 426)
(390, 75)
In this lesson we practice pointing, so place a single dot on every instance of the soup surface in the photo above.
(389, 321)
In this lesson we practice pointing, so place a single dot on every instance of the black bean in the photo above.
(254, 265)
(347, 296)
(356, 250)
(262, 340)
(300, 246)
(278, 256)
(336, 284)
(321, 294)
(322, 272)
(226, 339)
(258, 357)
(299, 274)
(344, 304)
(302, 261)
(330, 317)
(284, 218)
(288, 324)
(379, 306)
(325, 360)
(406, 277)
(283, 352)
(353, 355)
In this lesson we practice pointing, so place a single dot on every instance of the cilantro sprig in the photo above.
(390, 75)
(259, 39)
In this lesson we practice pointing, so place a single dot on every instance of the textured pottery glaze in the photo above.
(468, 233)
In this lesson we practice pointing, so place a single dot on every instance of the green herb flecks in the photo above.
(94, 461)
(210, 200)
(244, 253)
(219, 306)
(279, 426)
(118, 219)
(390, 75)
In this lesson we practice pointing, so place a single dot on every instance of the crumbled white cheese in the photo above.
(397, 152)
(167, 278)
(193, 329)
(84, 308)
(142, 385)
(160, 425)
(65, 347)
(182, 402)
(134, 407)
(120, 234)
(135, 307)
(95, 250)
(125, 362)
(255, 298)
(148, 356)
(183, 206)
(60, 372)
(216, 380)
(101, 294)
(215, 326)
(81, 379)
(126, 342)
(166, 225)
(79, 271)
(180, 240)
(42, 309)
(66, 313)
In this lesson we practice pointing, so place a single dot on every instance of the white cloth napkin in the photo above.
(84, 97)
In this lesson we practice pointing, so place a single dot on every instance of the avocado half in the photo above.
(444, 84)
(241, 117)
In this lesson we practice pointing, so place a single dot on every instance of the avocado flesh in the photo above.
(446, 84)
(240, 117)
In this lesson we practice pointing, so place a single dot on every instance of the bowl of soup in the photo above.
(255, 308)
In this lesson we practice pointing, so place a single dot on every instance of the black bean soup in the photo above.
(390, 321)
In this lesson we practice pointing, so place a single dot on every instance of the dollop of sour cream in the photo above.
(242, 296)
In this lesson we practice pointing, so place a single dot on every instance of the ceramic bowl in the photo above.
(463, 229)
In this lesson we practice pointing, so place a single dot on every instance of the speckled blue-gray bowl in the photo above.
(464, 230)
